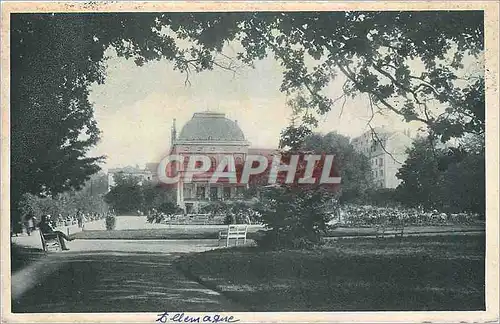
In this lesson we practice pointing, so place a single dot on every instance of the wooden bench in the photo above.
(50, 242)
(234, 232)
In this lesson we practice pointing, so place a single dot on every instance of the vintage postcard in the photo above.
(250, 162)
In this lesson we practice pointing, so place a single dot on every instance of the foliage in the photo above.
(234, 212)
(448, 179)
(110, 222)
(354, 167)
(419, 174)
(126, 195)
(381, 197)
(354, 215)
(154, 196)
(52, 125)
(462, 185)
(377, 53)
(166, 209)
(131, 194)
(86, 200)
(292, 137)
(295, 217)
(57, 56)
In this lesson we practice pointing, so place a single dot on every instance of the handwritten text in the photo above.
(183, 318)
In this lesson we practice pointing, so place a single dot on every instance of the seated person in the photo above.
(46, 227)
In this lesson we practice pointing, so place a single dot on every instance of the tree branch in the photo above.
(374, 134)
(349, 74)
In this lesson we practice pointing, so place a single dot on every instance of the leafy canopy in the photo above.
(447, 179)
(56, 57)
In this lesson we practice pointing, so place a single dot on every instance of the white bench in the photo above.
(234, 232)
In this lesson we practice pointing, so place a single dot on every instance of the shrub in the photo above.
(296, 217)
(234, 212)
(166, 209)
(110, 222)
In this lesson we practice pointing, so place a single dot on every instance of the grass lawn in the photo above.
(418, 273)
(169, 233)
(180, 232)
(21, 256)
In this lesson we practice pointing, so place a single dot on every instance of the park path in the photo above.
(113, 276)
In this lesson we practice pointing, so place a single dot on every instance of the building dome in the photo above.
(210, 126)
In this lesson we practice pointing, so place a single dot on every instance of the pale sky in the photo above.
(136, 105)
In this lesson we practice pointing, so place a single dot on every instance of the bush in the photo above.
(234, 212)
(166, 209)
(110, 222)
(296, 217)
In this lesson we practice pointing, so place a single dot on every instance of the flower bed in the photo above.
(369, 216)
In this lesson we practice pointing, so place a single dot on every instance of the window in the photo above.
(227, 192)
(213, 193)
(187, 193)
(200, 193)
(381, 172)
(380, 161)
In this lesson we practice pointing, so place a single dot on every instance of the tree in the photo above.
(154, 195)
(462, 186)
(55, 57)
(126, 195)
(377, 52)
(419, 175)
(51, 117)
(354, 167)
(447, 179)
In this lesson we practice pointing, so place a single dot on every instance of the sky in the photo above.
(136, 106)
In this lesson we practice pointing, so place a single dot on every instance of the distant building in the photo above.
(143, 174)
(387, 153)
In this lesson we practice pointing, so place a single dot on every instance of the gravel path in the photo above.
(113, 276)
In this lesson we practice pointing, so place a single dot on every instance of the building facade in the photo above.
(142, 174)
(215, 136)
(387, 153)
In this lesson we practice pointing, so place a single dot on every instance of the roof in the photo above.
(210, 126)
(129, 170)
(267, 152)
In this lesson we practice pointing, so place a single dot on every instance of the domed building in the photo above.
(213, 135)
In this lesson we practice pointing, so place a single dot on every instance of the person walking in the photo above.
(27, 226)
(79, 218)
